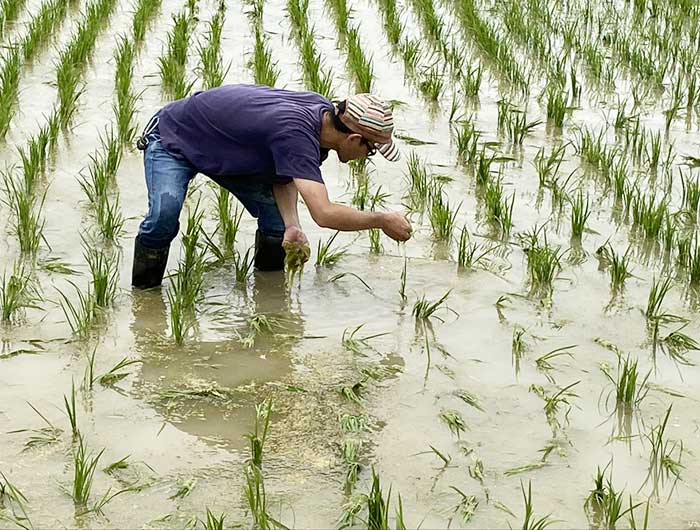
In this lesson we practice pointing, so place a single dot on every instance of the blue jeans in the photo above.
(167, 178)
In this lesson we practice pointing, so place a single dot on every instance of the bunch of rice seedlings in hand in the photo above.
(530, 522)
(664, 458)
(499, 210)
(442, 217)
(604, 505)
(555, 403)
(144, 15)
(424, 309)
(404, 277)
(18, 292)
(26, 212)
(325, 257)
(580, 212)
(544, 364)
(375, 241)
(454, 421)
(265, 71)
(543, 265)
(213, 522)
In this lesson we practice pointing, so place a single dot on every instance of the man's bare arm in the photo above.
(338, 217)
(286, 198)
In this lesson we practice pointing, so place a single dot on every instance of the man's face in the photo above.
(355, 146)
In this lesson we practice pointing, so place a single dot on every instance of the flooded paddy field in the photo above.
(529, 356)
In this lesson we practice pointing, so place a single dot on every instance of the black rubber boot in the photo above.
(269, 254)
(149, 265)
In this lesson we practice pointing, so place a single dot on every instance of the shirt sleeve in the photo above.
(297, 155)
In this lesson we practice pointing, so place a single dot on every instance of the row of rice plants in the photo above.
(9, 11)
(317, 77)
(172, 64)
(40, 30)
(262, 64)
(358, 63)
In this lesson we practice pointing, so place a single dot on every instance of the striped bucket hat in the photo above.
(372, 117)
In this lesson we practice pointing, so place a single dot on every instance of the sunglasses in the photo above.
(371, 147)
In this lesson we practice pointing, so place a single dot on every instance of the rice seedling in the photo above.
(432, 85)
(116, 373)
(580, 212)
(82, 314)
(653, 150)
(265, 70)
(555, 404)
(664, 458)
(18, 292)
(442, 217)
(419, 185)
(173, 62)
(84, 467)
(350, 451)
(469, 398)
(325, 257)
(524, 468)
(411, 54)
(530, 522)
(378, 505)
(470, 254)
(691, 196)
(676, 344)
(144, 15)
(424, 309)
(356, 344)
(629, 390)
(518, 346)
(43, 26)
(454, 421)
(12, 498)
(482, 172)
(604, 504)
(619, 268)
(358, 63)
(353, 423)
(499, 210)
(254, 489)
(516, 126)
(543, 264)
(40, 437)
(263, 415)
(465, 508)
(471, 82)
(213, 522)
(352, 393)
(211, 68)
(243, 265)
(477, 471)
(556, 106)
(26, 212)
(632, 523)
(657, 294)
(104, 270)
(545, 365)
(467, 142)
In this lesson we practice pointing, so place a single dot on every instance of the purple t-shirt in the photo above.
(248, 130)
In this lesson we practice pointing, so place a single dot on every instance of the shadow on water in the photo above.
(209, 388)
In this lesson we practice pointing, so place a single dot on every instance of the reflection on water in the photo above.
(208, 388)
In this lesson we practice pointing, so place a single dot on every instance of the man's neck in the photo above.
(330, 136)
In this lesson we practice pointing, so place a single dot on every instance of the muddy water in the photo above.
(182, 413)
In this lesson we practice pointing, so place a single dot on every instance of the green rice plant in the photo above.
(482, 171)
(355, 344)
(213, 522)
(358, 63)
(375, 241)
(9, 87)
(659, 290)
(144, 15)
(110, 220)
(265, 70)
(517, 126)
(432, 85)
(228, 226)
(555, 404)
(82, 314)
(104, 269)
(257, 438)
(404, 278)
(694, 264)
(42, 436)
(378, 505)
(442, 217)
(469, 398)
(454, 421)
(545, 365)
(13, 500)
(467, 142)
(211, 68)
(424, 309)
(180, 311)
(530, 522)
(556, 106)
(543, 265)
(518, 346)
(71, 411)
(116, 373)
(499, 210)
(629, 390)
(341, 15)
(470, 254)
(419, 185)
(664, 457)
(18, 292)
(604, 504)
(653, 149)
(84, 467)
(26, 213)
(325, 257)
(676, 344)
(632, 523)
(580, 212)
(173, 62)
(471, 82)
(691, 196)
(350, 450)
(352, 423)
(649, 216)
(42, 27)
(243, 265)
(619, 267)
(466, 507)
(411, 55)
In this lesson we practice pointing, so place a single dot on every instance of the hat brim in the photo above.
(389, 151)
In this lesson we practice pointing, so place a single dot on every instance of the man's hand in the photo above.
(296, 243)
(293, 234)
(396, 226)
